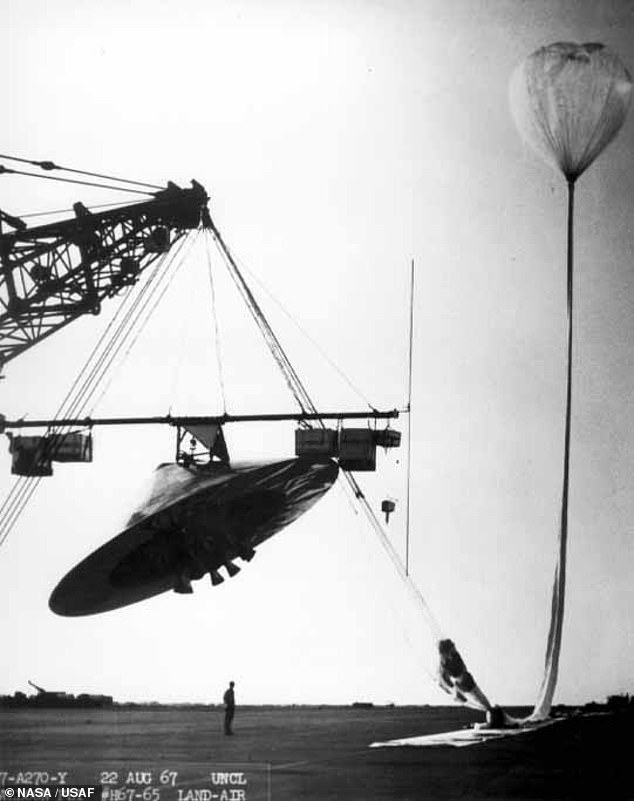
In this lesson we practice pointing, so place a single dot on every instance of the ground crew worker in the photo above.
(229, 700)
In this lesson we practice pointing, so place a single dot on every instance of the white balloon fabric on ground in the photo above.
(569, 101)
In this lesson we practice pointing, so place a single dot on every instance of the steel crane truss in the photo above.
(54, 273)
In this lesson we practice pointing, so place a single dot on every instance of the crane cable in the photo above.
(50, 165)
(70, 211)
(6, 171)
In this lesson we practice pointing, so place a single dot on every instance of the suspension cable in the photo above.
(93, 373)
(292, 379)
(125, 329)
(313, 341)
(152, 302)
(301, 395)
(123, 319)
(393, 554)
(214, 315)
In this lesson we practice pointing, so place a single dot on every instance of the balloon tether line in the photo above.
(564, 510)
(566, 478)
(557, 623)
(542, 707)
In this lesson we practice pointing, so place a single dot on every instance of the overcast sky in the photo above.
(338, 141)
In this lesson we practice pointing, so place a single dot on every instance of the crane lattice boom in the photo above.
(52, 274)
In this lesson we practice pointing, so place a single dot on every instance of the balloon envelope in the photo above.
(569, 101)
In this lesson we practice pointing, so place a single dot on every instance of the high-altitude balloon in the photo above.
(569, 101)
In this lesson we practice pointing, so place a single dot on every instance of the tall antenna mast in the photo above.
(409, 415)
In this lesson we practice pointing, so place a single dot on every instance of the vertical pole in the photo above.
(409, 415)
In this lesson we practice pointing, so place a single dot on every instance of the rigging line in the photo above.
(11, 505)
(216, 324)
(15, 503)
(292, 379)
(94, 361)
(356, 489)
(23, 488)
(136, 307)
(392, 553)
(124, 331)
(294, 384)
(128, 299)
(5, 170)
(182, 335)
(8, 502)
(112, 345)
(187, 240)
(308, 336)
(400, 623)
(49, 165)
(12, 511)
(130, 336)
(22, 491)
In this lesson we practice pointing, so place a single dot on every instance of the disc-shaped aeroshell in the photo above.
(195, 520)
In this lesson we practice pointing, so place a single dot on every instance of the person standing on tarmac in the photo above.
(229, 700)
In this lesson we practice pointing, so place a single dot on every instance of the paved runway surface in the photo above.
(172, 754)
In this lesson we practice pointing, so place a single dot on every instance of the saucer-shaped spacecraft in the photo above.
(196, 520)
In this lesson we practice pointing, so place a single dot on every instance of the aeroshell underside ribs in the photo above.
(195, 520)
